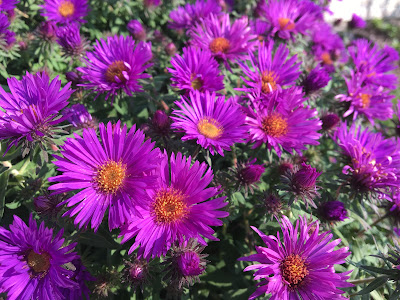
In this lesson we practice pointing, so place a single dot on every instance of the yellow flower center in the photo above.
(275, 125)
(365, 100)
(268, 81)
(294, 270)
(66, 9)
(110, 177)
(210, 128)
(285, 23)
(197, 83)
(220, 44)
(169, 206)
(115, 70)
(326, 58)
(39, 263)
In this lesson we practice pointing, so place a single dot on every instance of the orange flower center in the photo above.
(197, 83)
(268, 81)
(220, 44)
(294, 269)
(111, 176)
(365, 100)
(275, 125)
(169, 206)
(326, 58)
(285, 23)
(39, 263)
(66, 9)
(115, 70)
(210, 128)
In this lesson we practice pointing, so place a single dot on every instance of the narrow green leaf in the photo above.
(3, 188)
(378, 282)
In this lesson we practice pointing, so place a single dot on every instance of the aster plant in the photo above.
(32, 110)
(270, 72)
(33, 262)
(196, 70)
(226, 41)
(180, 208)
(116, 65)
(109, 172)
(289, 268)
(65, 11)
(216, 123)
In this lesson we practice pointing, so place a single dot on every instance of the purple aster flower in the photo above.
(137, 30)
(226, 42)
(375, 63)
(180, 208)
(260, 28)
(283, 122)
(48, 205)
(357, 22)
(365, 99)
(65, 11)
(70, 40)
(329, 121)
(196, 69)
(79, 117)
(170, 49)
(299, 265)
(248, 174)
(6, 5)
(290, 17)
(216, 123)
(31, 109)
(80, 276)
(109, 173)
(397, 231)
(185, 264)
(301, 183)
(333, 211)
(116, 65)
(160, 124)
(47, 31)
(272, 204)
(74, 77)
(4, 24)
(136, 272)
(374, 161)
(315, 80)
(33, 262)
(187, 16)
(9, 38)
(328, 47)
(269, 71)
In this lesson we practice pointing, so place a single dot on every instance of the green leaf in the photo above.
(380, 270)
(3, 188)
(378, 282)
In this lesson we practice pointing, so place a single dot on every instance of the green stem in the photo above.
(361, 232)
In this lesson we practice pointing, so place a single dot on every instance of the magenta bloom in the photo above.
(137, 30)
(333, 211)
(357, 22)
(315, 80)
(248, 174)
(70, 40)
(65, 11)
(366, 99)
(33, 262)
(31, 109)
(216, 123)
(375, 63)
(116, 65)
(299, 265)
(328, 47)
(80, 276)
(226, 42)
(196, 69)
(180, 208)
(8, 5)
(290, 17)
(109, 173)
(374, 161)
(270, 72)
(283, 122)
(79, 117)
(187, 16)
